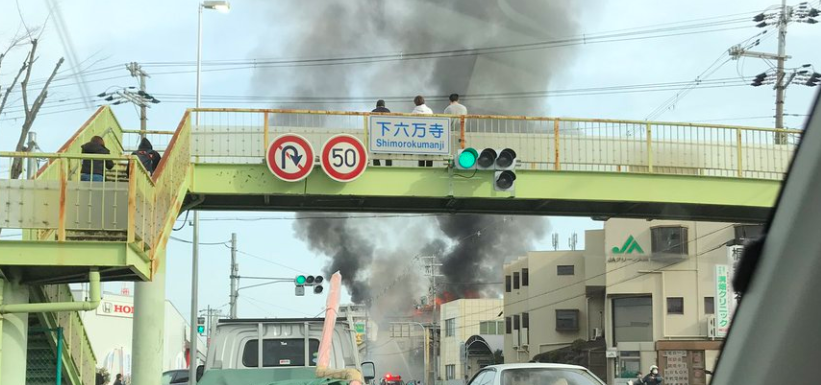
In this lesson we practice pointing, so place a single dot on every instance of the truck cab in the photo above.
(256, 350)
(286, 343)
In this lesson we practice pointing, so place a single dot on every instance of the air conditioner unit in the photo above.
(711, 326)
(597, 333)
(525, 346)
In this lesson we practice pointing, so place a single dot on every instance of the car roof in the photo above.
(534, 365)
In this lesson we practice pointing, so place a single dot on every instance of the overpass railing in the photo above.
(235, 136)
(60, 205)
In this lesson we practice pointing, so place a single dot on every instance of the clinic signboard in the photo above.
(723, 299)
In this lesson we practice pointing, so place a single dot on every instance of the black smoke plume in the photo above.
(323, 29)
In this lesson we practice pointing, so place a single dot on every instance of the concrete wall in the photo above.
(546, 293)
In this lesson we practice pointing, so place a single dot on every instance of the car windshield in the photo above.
(544, 376)
(496, 182)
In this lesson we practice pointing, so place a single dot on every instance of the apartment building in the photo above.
(471, 335)
(640, 293)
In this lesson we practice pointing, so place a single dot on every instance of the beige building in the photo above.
(471, 332)
(641, 293)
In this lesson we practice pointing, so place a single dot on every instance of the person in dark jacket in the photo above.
(119, 380)
(147, 156)
(380, 106)
(92, 170)
(653, 378)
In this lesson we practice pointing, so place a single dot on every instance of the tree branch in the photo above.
(25, 83)
(31, 114)
(11, 87)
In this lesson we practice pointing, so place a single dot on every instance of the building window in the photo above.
(566, 270)
(633, 319)
(525, 320)
(746, 233)
(675, 305)
(450, 372)
(450, 327)
(525, 277)
(490, 327)
(629, 364)
(516, 280)
(709, 305)
(669, 240)
(516, 323)
(507, 284)
(508, 326)
(567, 320)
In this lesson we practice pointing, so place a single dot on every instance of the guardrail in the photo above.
(62, 202)
(232, 135)
(80, 356)
(169, 181)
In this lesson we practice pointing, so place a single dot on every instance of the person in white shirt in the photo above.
(455, 108)
(421, 108)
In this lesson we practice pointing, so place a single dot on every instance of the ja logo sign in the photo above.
(629, 247)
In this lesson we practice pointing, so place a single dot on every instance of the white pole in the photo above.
(195, 249)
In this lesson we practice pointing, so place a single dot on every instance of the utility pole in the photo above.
(31, 167)
(137, 72)
(780, 86)
(432, 270)
(779, 77)
(234, 276)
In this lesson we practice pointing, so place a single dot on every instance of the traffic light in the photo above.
(502, 161)
(201, 326)
(759, 79)
(308, 280)
(466, 159)
(814, 79)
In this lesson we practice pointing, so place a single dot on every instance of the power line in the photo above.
(201, 243)
(270, 261)
(611, 36)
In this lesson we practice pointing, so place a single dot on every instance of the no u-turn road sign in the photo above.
(290, 157)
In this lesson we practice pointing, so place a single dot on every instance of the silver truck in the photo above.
(288, 351)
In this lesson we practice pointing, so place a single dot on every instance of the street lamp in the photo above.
(221, 6)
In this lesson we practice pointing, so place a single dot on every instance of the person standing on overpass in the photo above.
(421, 108)
(455, 108)
(380, 106)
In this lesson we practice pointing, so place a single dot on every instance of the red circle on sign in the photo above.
(286, 150)
(342, 171)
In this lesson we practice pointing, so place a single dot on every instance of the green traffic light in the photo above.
(300, 279)
(467, 158)
(201, 329)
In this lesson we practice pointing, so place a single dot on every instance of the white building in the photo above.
(109, 330)
(641, 293)
(471, 333)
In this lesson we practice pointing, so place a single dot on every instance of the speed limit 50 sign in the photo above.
(344, 158)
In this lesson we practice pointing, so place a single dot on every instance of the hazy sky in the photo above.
(111, 33)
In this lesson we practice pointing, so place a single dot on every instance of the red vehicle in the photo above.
(391, 379)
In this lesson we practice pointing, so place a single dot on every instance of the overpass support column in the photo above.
(14, 343)
(149, 326)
